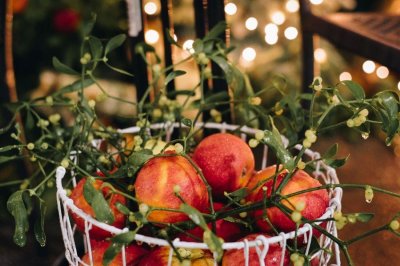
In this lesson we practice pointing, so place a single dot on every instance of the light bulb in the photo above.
(382, 72)
(151, 36)
(251, 23)
(150, 8)
(316, 2)
(271, 28)
(320, 55)
(368, 66)
(230, 9)
(291, 33)
(398, 86)
(271, 38)
(292, 6)
(278, 17)
(345, 76)
(188, 45)
(249, 54)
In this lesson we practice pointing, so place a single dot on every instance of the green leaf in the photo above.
(9, 148)
(170, 39)
(216, 31)
(172, 75)
(386, 106)
(111, 252)
(138, 158)
(273, 140)
(29, 122)
(4, 159)
(355, 89)
(216, 97)
(198, 46)
(364, 217)
(96, 47)
(121, 71)
(77, 85)
(60, 67)
(187, 122)
(38, 227)
(214, 243)
(331, 152)
(17, 208)
(194, 215)
(114, 43)
(122, 208)
(173, 94)
(239, 194)
(336, 163)
(88, 27)
(97, 201)
(124, 238)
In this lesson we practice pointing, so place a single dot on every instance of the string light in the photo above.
(271, 38)
(292, 6)
(150, 8)
(398, 86)
(271, 28)
(249, 54)
(188, 45)
(278, 17)
(316, 2)
(291, 33)
(368, 66)
(175, 37)
(345, 76)
(382, 72)
(320, 55)
(151, 36)
(251, 23)
(230, 9)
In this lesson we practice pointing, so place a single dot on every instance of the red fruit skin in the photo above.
(226, 161)
(66, 20)
(228, 231)
(133, 254)
(159, 257)
(155, 184)
(273, 257)
(316, 202)
(80, 202)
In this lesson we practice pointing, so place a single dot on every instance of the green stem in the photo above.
(366, 234)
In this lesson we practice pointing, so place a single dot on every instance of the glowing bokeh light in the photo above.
(230, 9)
(151, 36)
(292, 6)
(345, 76)
(291, 33)
(368, 66)
(382, 72)
(271, 28)
(271, 38)
(251, 23)
(188, 46)
(278, 17)
(150, 8)
(320, 55)
(249, 54)
(316, 2)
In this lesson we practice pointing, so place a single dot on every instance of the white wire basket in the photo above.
(329, 254)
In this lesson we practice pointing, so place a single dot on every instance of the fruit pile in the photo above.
(217, 178)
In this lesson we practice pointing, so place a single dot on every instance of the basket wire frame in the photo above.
(261, 244)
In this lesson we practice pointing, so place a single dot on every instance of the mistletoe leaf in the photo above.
(356, 90)
(38, 227)
(364, 217)
(114, 43)
(16, 206)
(97, 201)
(172, 75)
(60, 67)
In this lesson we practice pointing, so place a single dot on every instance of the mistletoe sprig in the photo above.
(120, 157)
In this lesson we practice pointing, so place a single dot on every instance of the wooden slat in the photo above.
(4, 96)
(167, 25)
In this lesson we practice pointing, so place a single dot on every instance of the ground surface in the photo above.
(370, 163)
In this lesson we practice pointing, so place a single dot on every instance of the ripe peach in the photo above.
(226, 161)
(133, 254)
(273, 257)
(228, 231)
(197, 257)
(315, 202)
(80, 202)
(155, 185)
